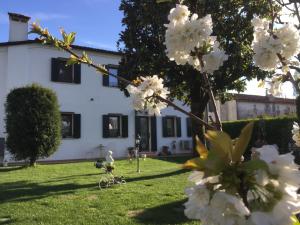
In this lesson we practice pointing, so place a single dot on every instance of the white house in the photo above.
(94, 111)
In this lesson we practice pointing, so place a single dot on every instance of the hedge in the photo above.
(277, 131)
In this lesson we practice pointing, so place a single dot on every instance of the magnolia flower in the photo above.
(296, 133)
(144, 96)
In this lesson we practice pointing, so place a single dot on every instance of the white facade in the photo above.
(23, 63)
(252, 106)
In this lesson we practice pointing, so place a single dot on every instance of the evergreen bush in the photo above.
(33, 122)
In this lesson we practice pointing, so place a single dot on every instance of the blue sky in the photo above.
(96, 22)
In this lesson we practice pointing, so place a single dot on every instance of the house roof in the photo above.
(79, 47)
(18, 17)
(263, 99)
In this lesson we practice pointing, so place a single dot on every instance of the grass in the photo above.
(68, 194)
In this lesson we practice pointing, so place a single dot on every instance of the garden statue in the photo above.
(109, 159)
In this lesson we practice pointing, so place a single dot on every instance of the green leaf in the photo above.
(242, 142)
(71, 61)
(221, 144)
(201, 149)
(255, 164)
(71, 38)
(295, 220)
(194, 164)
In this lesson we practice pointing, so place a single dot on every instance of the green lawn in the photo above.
(68, 194)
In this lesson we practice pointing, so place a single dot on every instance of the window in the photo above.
(171, 126)
(70, 125)
(65, 74)
(188, 127)
(110, 81)
(115, 125)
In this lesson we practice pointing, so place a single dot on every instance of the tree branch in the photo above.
(46, 38)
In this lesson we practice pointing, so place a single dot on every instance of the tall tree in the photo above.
(142, 43)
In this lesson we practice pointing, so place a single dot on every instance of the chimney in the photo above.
(18, 27)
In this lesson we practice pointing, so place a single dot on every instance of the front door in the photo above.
(142, 130)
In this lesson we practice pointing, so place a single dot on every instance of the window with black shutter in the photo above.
(65, 74)
(188, 127)
(109, 80)
(169, 124)
(70, 125)
(178, 127)
(115, 125)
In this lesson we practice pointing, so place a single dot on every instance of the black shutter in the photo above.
(164, 127)
(178, 126)
(189, 127)
(105, 126)
(54, 69)
(153, 134)
(77, 73)
(2, 147)
(105, 80)
(124, 126)
(77, 125)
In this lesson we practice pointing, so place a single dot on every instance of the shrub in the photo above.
(277, 130)
(33, 122)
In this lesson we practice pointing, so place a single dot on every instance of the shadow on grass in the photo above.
(6, 220)
(14, 168)
(156, 176)
(175, 159)
(66, 178)
(171, 213)
(23, 191)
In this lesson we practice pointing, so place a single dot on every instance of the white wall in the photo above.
(167, 141)
(32, 64)
(246, 109)
(3, 67)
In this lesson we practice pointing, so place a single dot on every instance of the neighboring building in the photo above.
(252, 106)
(96, 114)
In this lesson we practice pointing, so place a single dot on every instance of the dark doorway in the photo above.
(145, 127)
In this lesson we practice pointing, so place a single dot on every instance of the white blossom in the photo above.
(275, 86)
(180, 14)
(144, 95)
(196, 206)
(288, 181)
(186, 34)
(225, 209)
(214, 60)
(268, 45)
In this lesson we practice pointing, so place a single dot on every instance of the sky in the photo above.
(97, 23)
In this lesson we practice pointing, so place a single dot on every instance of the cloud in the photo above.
(96, 44)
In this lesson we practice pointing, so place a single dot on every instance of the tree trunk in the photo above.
(199, 100)
(32, 162)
